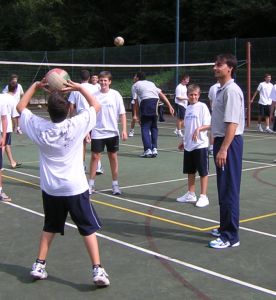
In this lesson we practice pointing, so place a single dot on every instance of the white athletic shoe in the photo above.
(260, 128)
(215, 232)
(100, 277)
(268, 130)
(154, 152)
(147, 153)
(131, 133)
(116, 189)
(202, 201)
(219, 244)
(187, 198)
(39, 271)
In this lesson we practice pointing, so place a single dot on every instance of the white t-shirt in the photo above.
(144, 89)
(78, 99)
(60, 150)
(264, 89)
(18, 93)
(112, 106)
(196, 115)
(3, 111)
(10, 103)
(273, 93)
(181, 91)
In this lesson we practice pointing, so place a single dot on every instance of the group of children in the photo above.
(63, 182)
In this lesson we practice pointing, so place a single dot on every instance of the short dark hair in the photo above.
(141, 75)
(84, 75)
(230, 60)
(184, 76)
(58, 107)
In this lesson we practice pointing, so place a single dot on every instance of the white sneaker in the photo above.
(179, 133)
(202, 201)
(219, 244)
(215, 232)
(91, 189)
(154, 152)
(100, 277)
(147, 153)
(187, 198)
(116, 189)
(131, 133)
(260, 128)
(100, 171)
(39, 271)
(176, 131)
(268, 130)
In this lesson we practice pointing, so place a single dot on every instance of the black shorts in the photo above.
(180, 111)
(112, 144)
(80, 208)
(264, 110)
(196, 161)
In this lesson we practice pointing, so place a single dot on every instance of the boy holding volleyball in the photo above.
(195, 143)
(62, 178)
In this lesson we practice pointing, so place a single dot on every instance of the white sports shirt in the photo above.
(60, 150)
(78, 99)
(196, 115)
(18, 93)
(181, 91)
(10, 103)
(264, 89)
(112, 106)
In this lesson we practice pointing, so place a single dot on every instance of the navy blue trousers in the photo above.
(149, 131)
(228, 184)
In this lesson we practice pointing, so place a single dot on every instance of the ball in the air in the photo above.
(56, 79)
(119, 41)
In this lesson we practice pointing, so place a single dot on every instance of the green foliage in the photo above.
(69, 24)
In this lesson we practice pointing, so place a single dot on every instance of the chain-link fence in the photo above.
(263, 56)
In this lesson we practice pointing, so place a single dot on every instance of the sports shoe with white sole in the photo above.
(260, 128)
(4, 197)
(147, 154)
(154, 152)
(116, 189)
(215, 232)
(100, 171)
(187, 198)
(39, 271)
(131, 133)
(268, 130)
(220, 244)
(202, 201)
(100, 277)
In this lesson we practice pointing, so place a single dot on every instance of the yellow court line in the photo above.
(20, 180)
(148, 215)
(152, 216)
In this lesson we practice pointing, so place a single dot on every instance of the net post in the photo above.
(248, 74)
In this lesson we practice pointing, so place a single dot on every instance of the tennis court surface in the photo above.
(152, 246)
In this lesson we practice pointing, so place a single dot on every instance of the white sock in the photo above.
(91, 182)
(115, 182)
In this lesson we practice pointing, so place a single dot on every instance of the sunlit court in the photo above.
(150, 243)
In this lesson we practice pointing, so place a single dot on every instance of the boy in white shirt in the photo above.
(195, 143)
(62, 178)
(106, 131)
(264, 103)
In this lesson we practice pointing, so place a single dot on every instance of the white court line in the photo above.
(166, 209)
(165, 257)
